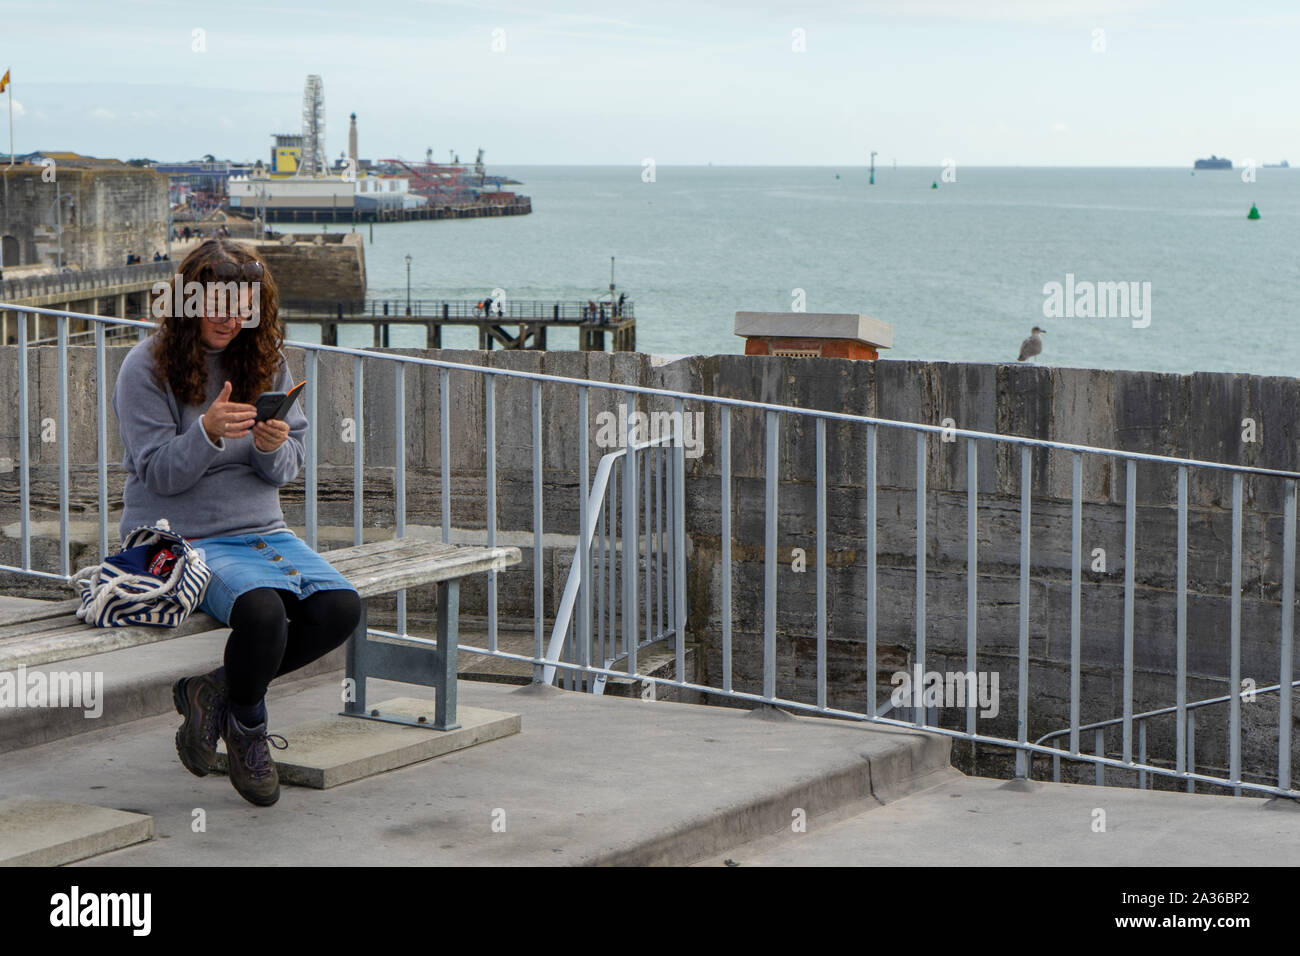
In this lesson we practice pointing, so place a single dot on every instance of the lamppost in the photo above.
(408, 285)
(57, 210)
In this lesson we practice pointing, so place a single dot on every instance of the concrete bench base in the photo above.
(339, 749)
(35, 831)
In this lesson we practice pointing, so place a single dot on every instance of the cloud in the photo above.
(18, 108)
(1060, 127)
(100, 112)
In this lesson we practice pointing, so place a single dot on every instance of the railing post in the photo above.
(490, 443)
(1180, 629)
(399, 473)
(312, 449)
(1076, 562)
(821, 563)
(770, 556)
(972, 546)
(61, 332)
(358, 449)
(1022, 671)
(630, 536)
(918, 715)
(679, 536)
(1287, 673)
(539, 604)
(1234, 643)
(871, 570)
(1130, 551)
(584, 525)
(1099, 748)
(725, 453)
(444, 450)
(101, 426)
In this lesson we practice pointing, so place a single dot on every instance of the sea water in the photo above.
(961, 272)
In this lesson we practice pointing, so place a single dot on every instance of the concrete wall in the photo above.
(108, 212)
(318, 269)
(1197, 416)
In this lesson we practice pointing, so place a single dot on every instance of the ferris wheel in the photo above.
(314, 160)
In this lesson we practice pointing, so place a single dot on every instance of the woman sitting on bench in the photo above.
(196, 455)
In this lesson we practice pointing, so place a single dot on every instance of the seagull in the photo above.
(1032, 345)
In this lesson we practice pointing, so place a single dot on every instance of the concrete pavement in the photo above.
(588, 780)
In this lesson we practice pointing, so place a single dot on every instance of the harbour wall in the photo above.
(1230, 418)
(319, 269)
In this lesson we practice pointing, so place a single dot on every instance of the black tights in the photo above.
(273, 632)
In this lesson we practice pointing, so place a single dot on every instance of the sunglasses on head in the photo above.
(249, 271)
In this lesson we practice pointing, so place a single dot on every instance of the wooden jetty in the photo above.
(528, 318)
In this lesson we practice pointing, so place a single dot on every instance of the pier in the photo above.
(529, 318)
(521, 206)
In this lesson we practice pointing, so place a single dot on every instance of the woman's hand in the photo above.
(227, 419)
(270, 435)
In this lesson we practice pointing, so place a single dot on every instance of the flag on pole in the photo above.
(4, 82)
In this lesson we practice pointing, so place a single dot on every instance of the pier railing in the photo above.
(632, 522)
(511, 310)
(85, 283)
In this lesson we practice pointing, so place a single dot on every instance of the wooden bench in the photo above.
(43, 635)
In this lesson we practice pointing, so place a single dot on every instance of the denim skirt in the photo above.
(276, 559)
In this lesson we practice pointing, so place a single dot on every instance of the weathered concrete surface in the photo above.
(108, 212)
(974, 821)
(318, 269)
(588, 779)
(136, 683)
(335, 750)
(37, 831)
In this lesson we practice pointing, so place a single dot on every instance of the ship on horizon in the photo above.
(1214, 162)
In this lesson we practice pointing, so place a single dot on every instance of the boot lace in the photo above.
(254, 753)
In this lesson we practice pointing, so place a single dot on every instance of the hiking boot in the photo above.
(202, 702)
(252, 771)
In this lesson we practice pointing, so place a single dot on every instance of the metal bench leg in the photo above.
(356, 667)
(444, 715)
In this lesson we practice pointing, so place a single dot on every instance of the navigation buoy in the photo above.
(1254, 212)
(934, 185)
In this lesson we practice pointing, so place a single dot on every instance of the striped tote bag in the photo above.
(122, 591)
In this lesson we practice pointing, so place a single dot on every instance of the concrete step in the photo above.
(588, 780)
(976, 821)
(134, 682)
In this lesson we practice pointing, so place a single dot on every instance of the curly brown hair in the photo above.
(252, 357)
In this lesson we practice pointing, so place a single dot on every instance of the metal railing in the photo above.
(656, 471)
(81, 283)
(511, 310)
(605, 630)
(1140, 721)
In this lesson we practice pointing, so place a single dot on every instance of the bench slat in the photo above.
(348, 563)
(412, 572)
(39, 612)
(52, 633)
(82, 641)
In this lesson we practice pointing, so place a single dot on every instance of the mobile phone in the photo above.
(275, 405)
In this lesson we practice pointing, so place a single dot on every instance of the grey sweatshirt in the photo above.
(174, 471)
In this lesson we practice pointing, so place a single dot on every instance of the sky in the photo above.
(613, 82)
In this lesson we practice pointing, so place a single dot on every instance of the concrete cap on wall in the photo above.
(816, 325)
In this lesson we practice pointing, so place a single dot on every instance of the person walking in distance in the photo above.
(194, 454)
